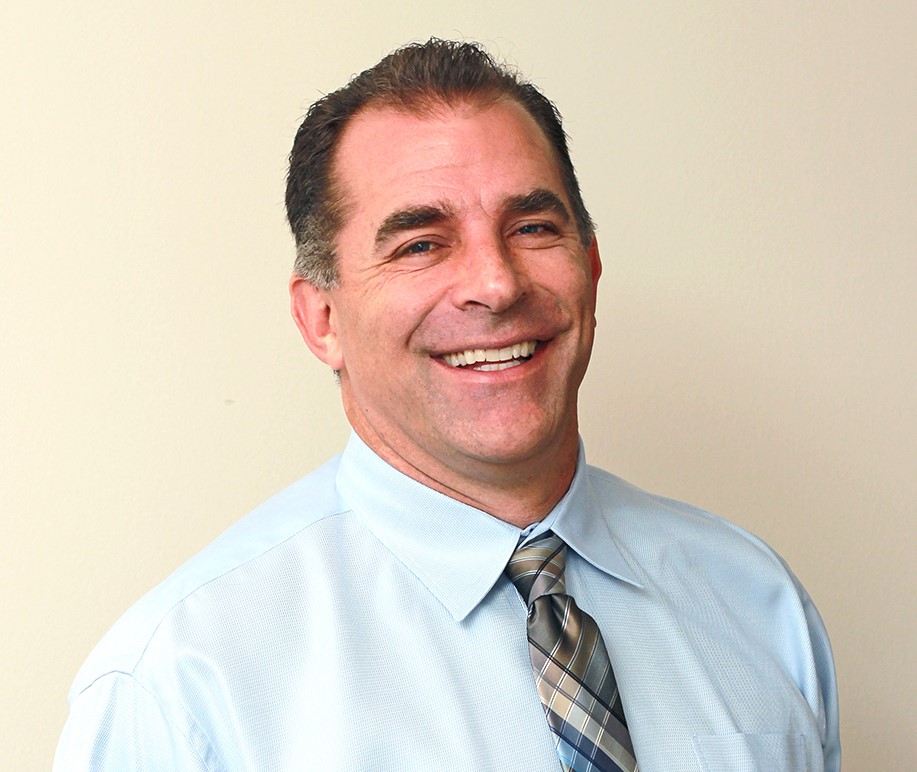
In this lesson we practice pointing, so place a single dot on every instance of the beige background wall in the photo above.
(752, 170)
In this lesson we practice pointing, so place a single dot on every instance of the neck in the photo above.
(518, 492)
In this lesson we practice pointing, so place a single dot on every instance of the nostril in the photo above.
(493, 282)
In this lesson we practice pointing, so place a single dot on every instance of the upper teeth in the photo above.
(475, 355)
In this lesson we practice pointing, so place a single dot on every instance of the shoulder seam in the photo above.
(165, 615)
(146, 690)
(762, 546)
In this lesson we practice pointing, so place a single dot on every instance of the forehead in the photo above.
(469, 156)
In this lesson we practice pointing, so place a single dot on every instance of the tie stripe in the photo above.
(572, 671)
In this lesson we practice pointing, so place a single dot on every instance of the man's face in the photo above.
(458, 238)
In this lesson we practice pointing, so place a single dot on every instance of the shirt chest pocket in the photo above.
(751, 752)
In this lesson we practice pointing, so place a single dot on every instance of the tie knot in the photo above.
(537, 568)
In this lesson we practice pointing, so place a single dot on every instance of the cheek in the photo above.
(405, 309)
(570, 286)
(376, 337)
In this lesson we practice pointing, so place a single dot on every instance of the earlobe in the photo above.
(313, 311)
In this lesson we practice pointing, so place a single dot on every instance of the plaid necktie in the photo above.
(572, 670)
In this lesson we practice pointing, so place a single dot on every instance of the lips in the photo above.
(484, 359)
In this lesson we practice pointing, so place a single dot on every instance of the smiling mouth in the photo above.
(484, 359)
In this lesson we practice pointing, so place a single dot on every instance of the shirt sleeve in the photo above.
(116, 724)
(827, 681)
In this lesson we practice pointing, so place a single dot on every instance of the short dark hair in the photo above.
(417, 75)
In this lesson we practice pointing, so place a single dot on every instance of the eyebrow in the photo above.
(410, 218)
(533, 202)
(538, 200)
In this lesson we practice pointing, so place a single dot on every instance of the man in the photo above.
(458, 590)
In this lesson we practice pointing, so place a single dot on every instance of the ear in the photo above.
(595, 263)
(313, 312)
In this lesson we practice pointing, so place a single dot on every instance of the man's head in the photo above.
(417, 78)
(461, 308)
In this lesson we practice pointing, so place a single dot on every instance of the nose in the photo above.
(490, 277)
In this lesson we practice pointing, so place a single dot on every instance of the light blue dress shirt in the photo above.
(361, 621)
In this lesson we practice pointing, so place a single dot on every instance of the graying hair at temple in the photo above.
(419, 76)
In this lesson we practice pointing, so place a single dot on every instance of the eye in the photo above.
(534, 228)
(419, 247)
(420, 251)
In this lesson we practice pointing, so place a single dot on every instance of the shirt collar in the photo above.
(459, 552)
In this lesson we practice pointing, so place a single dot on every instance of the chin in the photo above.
(512, 446)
